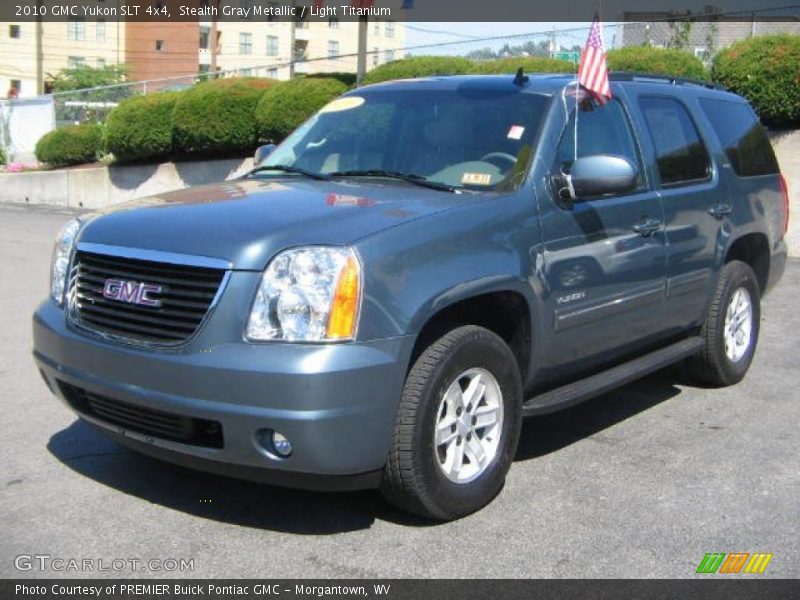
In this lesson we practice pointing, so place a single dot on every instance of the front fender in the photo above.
(416, 269)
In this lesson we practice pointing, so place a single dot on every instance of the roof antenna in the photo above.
(521, 78)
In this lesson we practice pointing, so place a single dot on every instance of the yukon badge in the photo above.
(132, 292)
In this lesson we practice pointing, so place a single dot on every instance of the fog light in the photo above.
(282, 446)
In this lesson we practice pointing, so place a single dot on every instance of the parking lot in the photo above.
(641, 482)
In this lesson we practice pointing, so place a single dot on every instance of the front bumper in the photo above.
(336, 403)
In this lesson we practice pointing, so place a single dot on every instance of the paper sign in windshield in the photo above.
(476, 179)
(516, 132)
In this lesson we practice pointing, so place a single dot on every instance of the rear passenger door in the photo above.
(696, 204)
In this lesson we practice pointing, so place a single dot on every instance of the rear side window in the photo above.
(742, 137)
(681, 155)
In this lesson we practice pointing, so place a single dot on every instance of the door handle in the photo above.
(647, 226)
(720, 210)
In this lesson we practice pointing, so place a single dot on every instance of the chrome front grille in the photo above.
(183, 298)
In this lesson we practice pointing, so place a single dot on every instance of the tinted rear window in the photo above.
(742, 137)
(681, 155)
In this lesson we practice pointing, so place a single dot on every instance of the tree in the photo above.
(83, 77)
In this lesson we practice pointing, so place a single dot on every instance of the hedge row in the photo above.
(766, 71)
(230, 116)
(70, 146)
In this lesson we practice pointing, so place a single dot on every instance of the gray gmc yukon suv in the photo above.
(410, 273)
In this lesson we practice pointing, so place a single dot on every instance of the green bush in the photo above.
(217, 117)
(419, 66)
(141, 127)
(766, 71)
(73, 145)
(663, 61)
(529, 64)
(284, 107)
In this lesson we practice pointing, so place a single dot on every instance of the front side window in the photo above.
(681, 155)
(601, 130)
(473, 138)
(742, 137)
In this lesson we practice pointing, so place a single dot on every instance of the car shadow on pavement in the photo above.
(248, 504)
(549, 433)
(245, 503)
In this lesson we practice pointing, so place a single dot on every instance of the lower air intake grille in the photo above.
(155, 423)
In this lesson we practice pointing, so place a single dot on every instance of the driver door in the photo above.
(605, 272)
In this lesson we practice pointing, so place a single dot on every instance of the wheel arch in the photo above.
(503, 310)
(753, 250)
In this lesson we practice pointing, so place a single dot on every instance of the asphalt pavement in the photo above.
(641, 482)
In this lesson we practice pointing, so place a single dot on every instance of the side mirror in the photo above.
(601, 174)
(262, 153)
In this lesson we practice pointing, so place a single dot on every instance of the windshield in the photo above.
(476, 139)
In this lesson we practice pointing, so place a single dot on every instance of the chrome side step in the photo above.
(584, 389)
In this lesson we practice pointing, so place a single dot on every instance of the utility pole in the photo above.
(292, 25)
(39, 50)
(361, 69)
(214, 35)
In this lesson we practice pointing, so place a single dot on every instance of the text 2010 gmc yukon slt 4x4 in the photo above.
(414, 270)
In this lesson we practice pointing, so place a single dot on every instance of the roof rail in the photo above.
(635, 75)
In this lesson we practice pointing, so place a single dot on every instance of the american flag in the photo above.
(592, 72)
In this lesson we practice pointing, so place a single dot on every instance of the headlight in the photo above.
(308, 294)
(62, 251)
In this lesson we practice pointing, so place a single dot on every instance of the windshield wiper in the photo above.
(290, 169)
(412, 178)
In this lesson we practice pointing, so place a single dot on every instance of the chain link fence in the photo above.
(702, 35)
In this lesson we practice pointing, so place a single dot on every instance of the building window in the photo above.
(16, 84)
(205, 35)
(75, 62)
(245, 43)
(390, 29)
(376, 28)
(333, 49)
(272, 45)
(100, 63)
(161, 45)
(100, 30)
(76, 30)
(246, 72)
(333, 23)
(376, 56)
(389, 55)
(13, 32)
(272, 73)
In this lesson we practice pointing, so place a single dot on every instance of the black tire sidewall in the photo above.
(482, 349)
(739, 276)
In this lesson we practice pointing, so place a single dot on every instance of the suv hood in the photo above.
(248, 221)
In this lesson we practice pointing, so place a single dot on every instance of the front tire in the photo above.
(457, 426)
(731, 328)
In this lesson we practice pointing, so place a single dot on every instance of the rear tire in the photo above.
(457, 426)
(731, 328)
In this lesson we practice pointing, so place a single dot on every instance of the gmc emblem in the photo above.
(132, 292)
